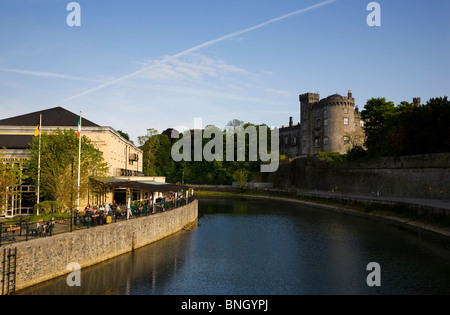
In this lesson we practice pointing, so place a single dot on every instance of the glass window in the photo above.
(345, 110)
(325, 140)
(346, 121)
(317, 142)
(325, 122)
(346, 140)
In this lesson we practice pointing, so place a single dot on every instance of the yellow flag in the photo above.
(36, 132)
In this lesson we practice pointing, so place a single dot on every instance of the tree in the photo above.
(240, 177)
(377, 116)
(9, 179)
(157, 159)
(59, 166)
(126, 136)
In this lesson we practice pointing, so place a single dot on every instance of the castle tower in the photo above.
(416, 101)
(332, 124)
(308, 102)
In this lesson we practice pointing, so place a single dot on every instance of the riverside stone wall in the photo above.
(420, 176)
(42, 259)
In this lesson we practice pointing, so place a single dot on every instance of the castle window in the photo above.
(325, 122)
(346, 140)
(286, 140)
(317, 142)
(325, 140)
(361, 123)
(295, 140)
(318, 123)
(345, 121)
(325, 112)
(345, 110)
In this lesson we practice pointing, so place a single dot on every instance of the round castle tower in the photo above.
(331, 124)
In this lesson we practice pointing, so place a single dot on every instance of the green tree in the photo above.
(9, 178)
(377, 116)
(157, 159)
(241, 177)
(59, 166)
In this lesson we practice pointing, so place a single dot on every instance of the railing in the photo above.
(24, 229)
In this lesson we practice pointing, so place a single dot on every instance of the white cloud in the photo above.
(278, 93)
(194, 67)
(49, 75)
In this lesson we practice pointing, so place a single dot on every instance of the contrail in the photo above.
(198, 47)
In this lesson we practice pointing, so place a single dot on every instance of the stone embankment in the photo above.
(43, 259)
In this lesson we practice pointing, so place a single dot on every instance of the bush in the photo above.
(330, 156)
(356, 153)
(241, 176)
(47, 207)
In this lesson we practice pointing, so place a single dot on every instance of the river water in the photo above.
(271, 247)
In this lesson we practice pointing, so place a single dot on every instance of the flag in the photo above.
(36, 131)
(79, 129)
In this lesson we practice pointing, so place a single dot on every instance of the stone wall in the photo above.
(420, 176)
(42, 259)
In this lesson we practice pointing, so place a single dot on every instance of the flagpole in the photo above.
(79, 162)
(39, 163)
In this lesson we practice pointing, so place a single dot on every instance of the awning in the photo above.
(142, 185)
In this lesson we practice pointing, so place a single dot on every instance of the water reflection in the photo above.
(271, 247)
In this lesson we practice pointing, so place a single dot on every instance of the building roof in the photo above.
(143, 185)
(15, 141)
(55, 117)
(334, 96)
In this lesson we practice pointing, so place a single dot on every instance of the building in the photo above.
(16, 133)
(332, 124)
(290, 139)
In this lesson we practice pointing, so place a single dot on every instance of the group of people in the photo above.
(43, 229)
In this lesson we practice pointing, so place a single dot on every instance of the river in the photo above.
(271, 247)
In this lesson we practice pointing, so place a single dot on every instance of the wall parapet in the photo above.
(43, 259)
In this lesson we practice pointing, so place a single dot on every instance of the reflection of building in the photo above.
(332, 124)
(16, 134)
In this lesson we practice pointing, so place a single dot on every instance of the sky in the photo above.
(140, 64)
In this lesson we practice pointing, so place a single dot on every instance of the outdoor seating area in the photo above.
(23, 229)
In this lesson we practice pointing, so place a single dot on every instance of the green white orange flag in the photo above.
(79, 128)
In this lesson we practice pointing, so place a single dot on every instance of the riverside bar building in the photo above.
(16, 133)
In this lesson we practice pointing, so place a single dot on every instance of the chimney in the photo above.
(291, 123)
(350, 94)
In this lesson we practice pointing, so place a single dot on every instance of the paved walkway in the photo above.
(434, 203)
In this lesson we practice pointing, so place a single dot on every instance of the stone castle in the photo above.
(332, 124)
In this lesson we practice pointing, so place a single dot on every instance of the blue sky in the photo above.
(142, 64)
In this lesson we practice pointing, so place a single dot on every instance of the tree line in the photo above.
(405, 129)
(157, 158)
